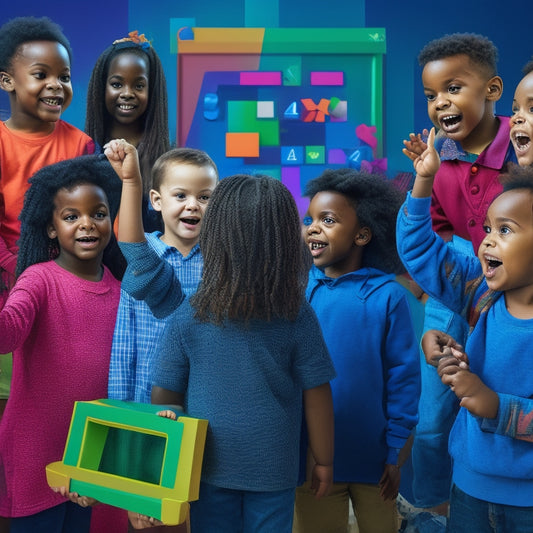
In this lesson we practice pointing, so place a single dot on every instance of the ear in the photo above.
(363, 237)
(155, 199)
(494, 89)
(51, 231)
(6, 82)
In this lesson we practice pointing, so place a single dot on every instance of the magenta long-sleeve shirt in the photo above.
(60, 329)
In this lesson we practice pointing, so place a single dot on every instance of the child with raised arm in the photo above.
(127, 99)
(183, 180)
(461, 85)
(490, 440)
(364, 316)
(58, 320)
(245, 352)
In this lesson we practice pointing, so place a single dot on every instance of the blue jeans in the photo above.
(66, 517)
(468, 514)
(240, 511)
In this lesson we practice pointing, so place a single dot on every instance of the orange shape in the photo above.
(242, 144)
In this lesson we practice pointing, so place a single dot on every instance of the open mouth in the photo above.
(126, 107)
(450, 121)
(317, 245)
(190, 221)
(492, 264)
(87, 239)
(522, 142)
(54, 102)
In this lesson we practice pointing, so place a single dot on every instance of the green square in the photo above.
(315, 155)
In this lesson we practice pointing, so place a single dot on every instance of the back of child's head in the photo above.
(255, 261)
(22, 30)
(376, 202)
(479, 49)
(517, 177)
(179, 156)
(35, 246)
(155, 139)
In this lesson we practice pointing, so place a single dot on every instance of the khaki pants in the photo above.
(330, 514)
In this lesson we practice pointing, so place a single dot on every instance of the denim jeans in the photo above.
(222, 510)
(469, 515)
(66, 517)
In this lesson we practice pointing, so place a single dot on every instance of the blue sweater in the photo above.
(366, 323)
(492, 458)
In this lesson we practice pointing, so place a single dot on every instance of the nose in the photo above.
(311, 227)
(516, 119)
(126, 92)
(54, 84)
(86, 223)
(441, 101)
(192, 203)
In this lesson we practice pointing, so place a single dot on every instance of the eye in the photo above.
(505, 230)
(65, 78)
(486, 229)
(430, 97)
(180, 196)
(307, 221)
(116, 84)
(100, 215)
(140, 86)
(70, 218)
(204, 198)
(328, 220)
(453, 89)
(39, 75)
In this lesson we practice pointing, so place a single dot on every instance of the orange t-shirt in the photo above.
(21, 155)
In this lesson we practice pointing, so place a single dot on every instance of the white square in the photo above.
(265, 109)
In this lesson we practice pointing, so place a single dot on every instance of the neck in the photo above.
(132, 133)
(15, 123)
(482, 135)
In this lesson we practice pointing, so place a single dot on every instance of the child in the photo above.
(365, 320)
(245, 352)
(35, 59)
(522, 120)
(461, 86)
(127, 99)
(183, 180)
(58, 321)
(492, 460)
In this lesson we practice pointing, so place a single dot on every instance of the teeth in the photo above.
(521, 139)
(126, 107)
(450, 120)
(317, 245)
(51, 101)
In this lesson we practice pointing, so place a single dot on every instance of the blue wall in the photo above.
(91, 27)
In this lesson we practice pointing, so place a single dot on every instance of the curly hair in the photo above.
(155, 138)
(35, 246)
(517, 177)
(376, 202)
(528, 67)
(255, 261)
(185, 156)
(22, 30)
(478, 48)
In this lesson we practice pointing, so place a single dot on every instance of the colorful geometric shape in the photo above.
(292, 155)
(211, 110)
(291, 113)
(260, 78)
(265, 109)
(242, 117)
(242, 144)
(336, 156)
(314, 112)
(315, 155)
(367, 134)
(327, 78)
(290, 177)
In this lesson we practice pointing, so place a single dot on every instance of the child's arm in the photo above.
(436, 345)
(415, 145)
(318, 405)
(426, 166)
(125, 160)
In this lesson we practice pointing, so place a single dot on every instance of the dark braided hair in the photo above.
(35, 246)
(155, 138)
(22, 30)
(255, 261)
(478, 48)
(376, 201)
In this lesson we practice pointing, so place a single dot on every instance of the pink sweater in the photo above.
(60, 329)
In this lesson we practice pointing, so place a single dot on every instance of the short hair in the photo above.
(22, 30)
(376, 201)
(35, 246)
(255, 261)
(479, 49)
(185, 156)
(528, 67)
(517, 177)
(155, 139)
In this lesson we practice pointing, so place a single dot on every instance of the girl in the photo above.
(127, 99)
(245, 352)
(58, 320)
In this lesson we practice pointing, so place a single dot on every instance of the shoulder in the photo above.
(75, 136)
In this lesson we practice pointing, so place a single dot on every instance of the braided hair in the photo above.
(376, 201)
(155, 138)
(255, 261)
(35, 246)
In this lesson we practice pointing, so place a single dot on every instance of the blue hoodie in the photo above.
(366, 323)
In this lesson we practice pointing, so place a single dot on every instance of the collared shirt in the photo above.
(138, 332)
(466, 184)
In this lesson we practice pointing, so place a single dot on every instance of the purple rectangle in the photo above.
(327, 78)
(290, 177)
(260, 78)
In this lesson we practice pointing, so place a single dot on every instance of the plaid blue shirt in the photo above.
(138, 332)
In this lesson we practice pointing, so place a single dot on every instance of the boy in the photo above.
(366, 323)
(522, 120)
(461, 86)
(491, 438)
(183, 180)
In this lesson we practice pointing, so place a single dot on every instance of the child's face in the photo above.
(182, 199)
(506, 253)
(81, 222)
(127, 88)
(522, 121)
(39, 85)
(458, 94)
(333, 234)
